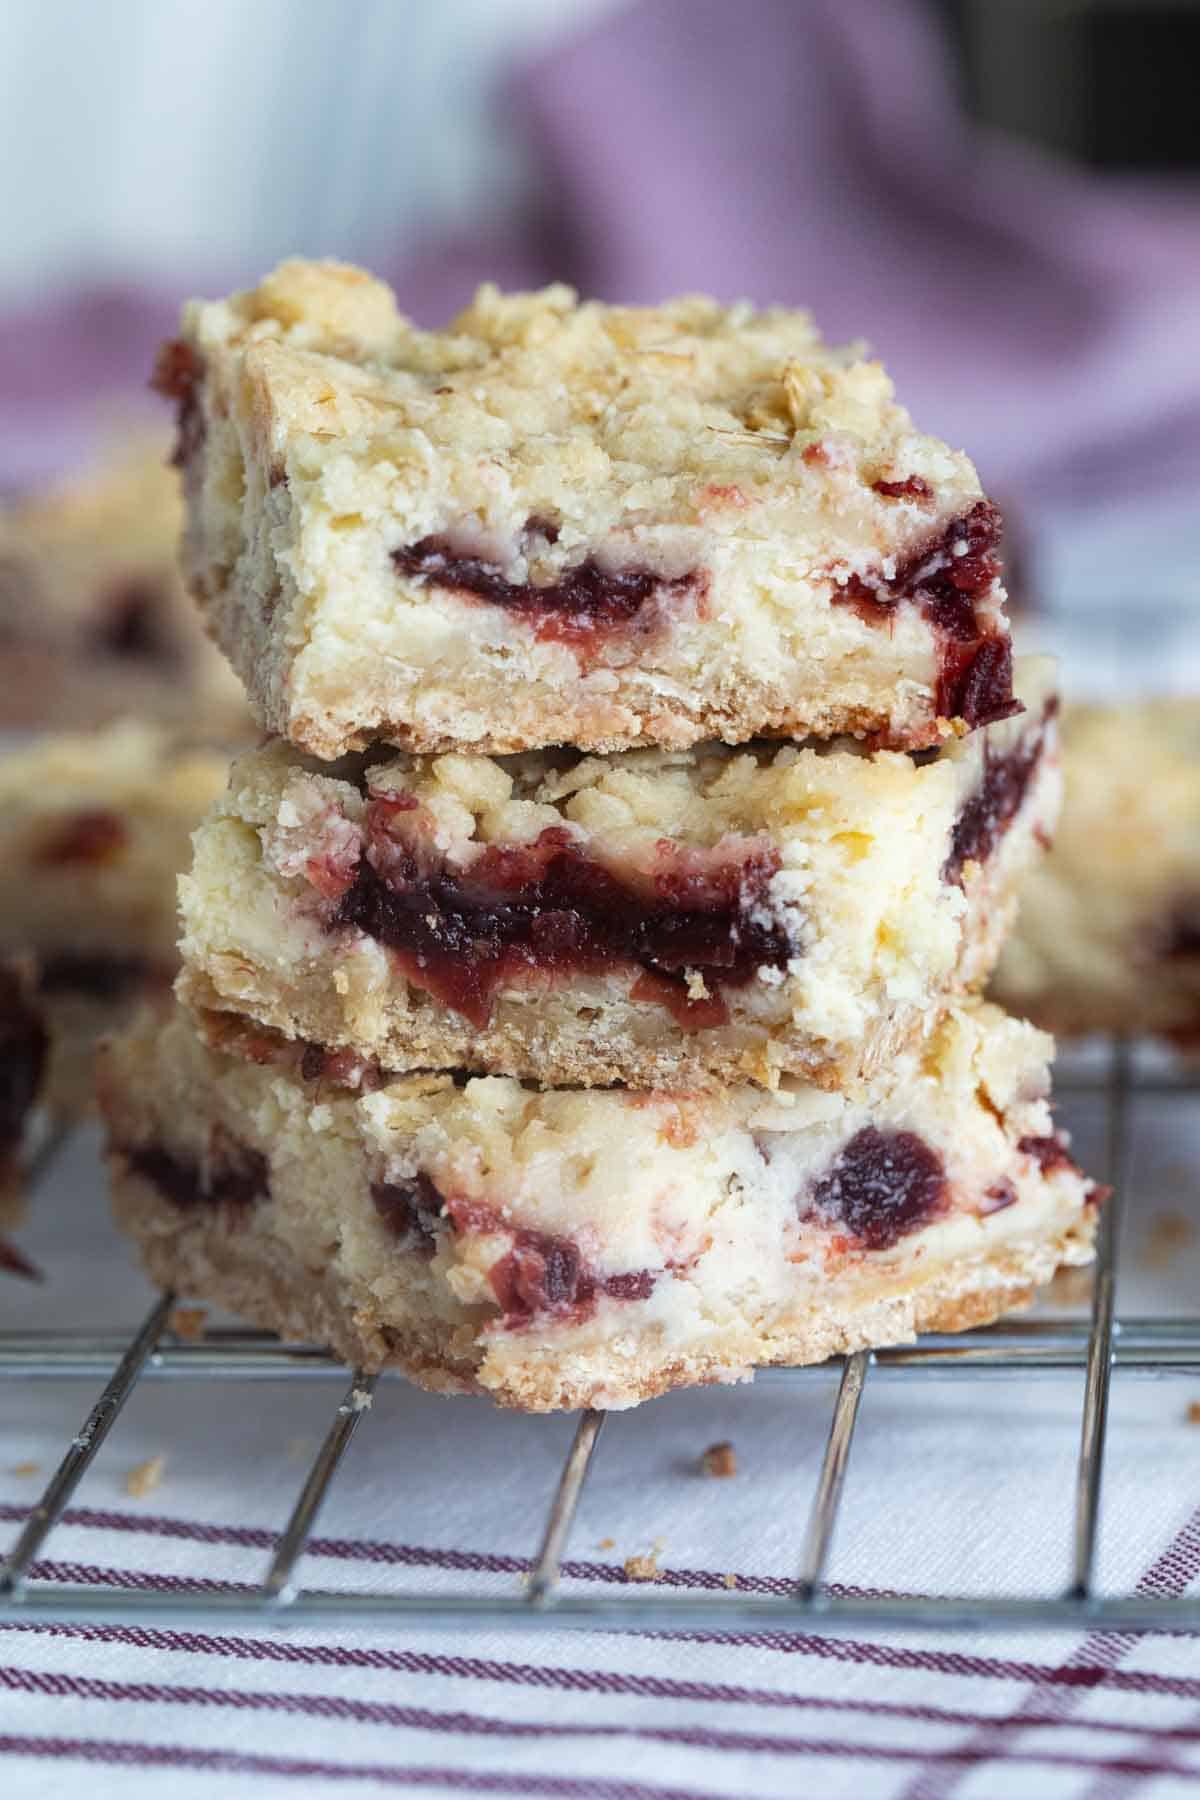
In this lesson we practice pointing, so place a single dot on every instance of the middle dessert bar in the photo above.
(659, 918)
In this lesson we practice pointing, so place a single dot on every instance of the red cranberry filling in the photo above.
(543, 1273)
(15, 1262)
(882, 1186)
(410, 1210)
(913, 487)
(584, 601)
(92, 835)
(177, 374)
(231, 1179)
(974, 659)
(987, 815)
(131, 623)
(1049, 1153)
(547, 908)
(23, 1048)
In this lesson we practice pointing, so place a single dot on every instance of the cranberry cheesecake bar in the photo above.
(557, 522)
(94, 618)
(94, 829)
(595, 1247)
(654, 918)
(1109, 932)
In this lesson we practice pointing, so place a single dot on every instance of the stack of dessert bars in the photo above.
(580, 984)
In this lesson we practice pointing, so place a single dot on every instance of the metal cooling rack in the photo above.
(1151, 1347)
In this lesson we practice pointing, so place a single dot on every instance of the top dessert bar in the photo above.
(95, 622)
(557, 522)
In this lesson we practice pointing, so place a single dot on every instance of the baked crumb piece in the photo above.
(360, 1400)
(730, 1581)
(188, 1322)
(24, 1469)
(606, 1543)
(719, 1460)
(643, 1568)
(1193, 1412)
(145, 1477)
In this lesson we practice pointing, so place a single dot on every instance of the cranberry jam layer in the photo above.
(565, 1248)
(94, 829)
(564, 523)
(655, 918)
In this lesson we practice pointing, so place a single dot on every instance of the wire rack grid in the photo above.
(1151, 1346)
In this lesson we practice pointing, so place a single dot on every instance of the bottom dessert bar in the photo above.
(594, 1247)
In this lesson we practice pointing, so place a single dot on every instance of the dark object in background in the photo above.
(1111, 82)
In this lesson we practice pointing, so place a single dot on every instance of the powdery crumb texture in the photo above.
(145, 1477)
(562, 522)
(1193, 1412)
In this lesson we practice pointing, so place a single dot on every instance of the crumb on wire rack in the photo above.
(145, 1476)
(719, 1460)
(188, 1322)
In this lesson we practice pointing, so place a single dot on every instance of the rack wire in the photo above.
(1099, 1347)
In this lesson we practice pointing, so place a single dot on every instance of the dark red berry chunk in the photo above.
(913, 487)
(23, 1048)
(948, 578)
(92, 835)
(547, 909)
(882, 1186)
(1049, 1153)
(97, 975)
(411, 1211)
(231, 1178)
(131, 624)
(585, 600)
(178, 370)
(991, 809)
